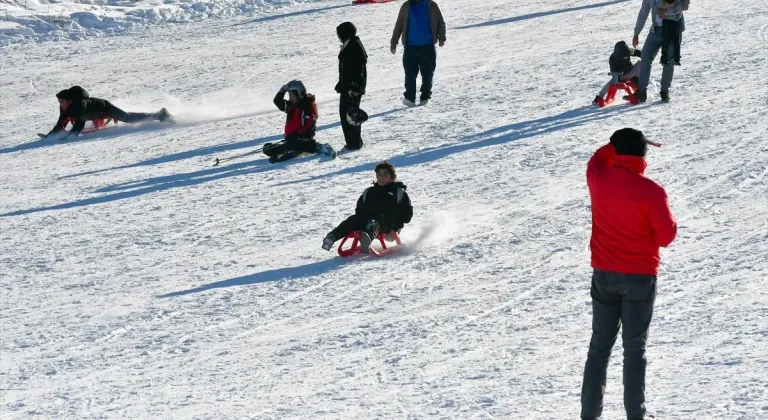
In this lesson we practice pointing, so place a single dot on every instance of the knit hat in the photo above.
(64, 94)
(629, 141)
(346, 31)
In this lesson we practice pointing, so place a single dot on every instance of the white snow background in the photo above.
(137, 281)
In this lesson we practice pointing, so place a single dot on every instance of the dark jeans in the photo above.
(618, 299)
(292, 143)
(360, 222)
(419, 59)
(111, 111)
(352, 133)
(672, 38)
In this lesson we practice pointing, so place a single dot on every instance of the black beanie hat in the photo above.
(346, 31)
(64, 94)
(629, 141)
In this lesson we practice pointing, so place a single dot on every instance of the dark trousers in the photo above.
(419, 59)
(373, 226)
(672, 38)
(111, 111)
(626, 301)
(292, 143)
(352, 133)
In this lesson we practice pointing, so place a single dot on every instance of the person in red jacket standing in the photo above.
(631, 219)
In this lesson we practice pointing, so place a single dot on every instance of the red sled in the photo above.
(98, 124)
(628, 87)
(355, 247)
(370, 1)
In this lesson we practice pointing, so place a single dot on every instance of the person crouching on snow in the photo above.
(383, 208)
(622, 69)
(75, 103)
(300, 122)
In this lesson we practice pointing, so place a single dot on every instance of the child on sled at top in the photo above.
(300, 122)
(383, 208)
(622, 69)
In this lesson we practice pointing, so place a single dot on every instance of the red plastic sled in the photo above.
(628, 87)
(370, 1)
(355, 247)
(98, 124)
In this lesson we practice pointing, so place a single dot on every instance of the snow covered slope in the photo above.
(137, 281)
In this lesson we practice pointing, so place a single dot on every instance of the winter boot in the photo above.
(423, 101)
(328, 241)
(641, 95)
(596, 101)
(163, 115)
(365, 243)
(664, 96)
(409, 102)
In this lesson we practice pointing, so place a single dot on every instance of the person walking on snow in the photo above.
(631, 219)
(300, 124)
(622, 69)
(353, 77)
(383, 208)
(651, 47)
(76, 104)
(420, 26)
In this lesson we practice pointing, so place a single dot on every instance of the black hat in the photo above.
(629, 141)
(64, 94)
(346, 31)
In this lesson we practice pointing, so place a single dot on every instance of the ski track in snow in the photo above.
(140, 282)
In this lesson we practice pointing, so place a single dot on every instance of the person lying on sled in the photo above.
(75, 103)
(383, 208)
(300, 121)
(622, 69)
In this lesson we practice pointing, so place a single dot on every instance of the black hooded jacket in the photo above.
(353, 74)
(620, 61)
(82, 109)
(390, 205)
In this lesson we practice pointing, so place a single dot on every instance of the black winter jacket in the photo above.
(390, 205)
(620, 61)
(81, 110)
(353, 74)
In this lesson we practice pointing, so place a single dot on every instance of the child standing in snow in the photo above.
(300, 122)
(670, 12)
(383, 208)
(621, 66)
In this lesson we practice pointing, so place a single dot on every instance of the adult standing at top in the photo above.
(652, 45)
(420, 26)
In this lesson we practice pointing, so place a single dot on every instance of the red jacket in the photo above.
(631, 217)
(299, 120)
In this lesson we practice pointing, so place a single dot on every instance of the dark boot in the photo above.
(641, 95)
(664, 96)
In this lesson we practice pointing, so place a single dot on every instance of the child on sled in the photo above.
(300, 122)
(383, 208)
(622, 69)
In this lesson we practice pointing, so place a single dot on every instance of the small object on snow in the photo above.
(356, 247)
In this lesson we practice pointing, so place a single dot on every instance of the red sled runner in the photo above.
(629, 87)
(355, 247)
(98, 124)
(370, 1)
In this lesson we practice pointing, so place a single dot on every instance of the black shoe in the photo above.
(641, 96)
(596, 100)
(664, 96)
(677, 62)
(635, 80)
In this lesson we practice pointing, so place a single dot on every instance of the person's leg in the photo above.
(638, 296)
(427, 66)
(111, 111)
(606, 320)
(352, 223)
(411, 67)
(352, 133)
(650, 49)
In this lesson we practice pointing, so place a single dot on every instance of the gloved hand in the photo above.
(353, 93)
